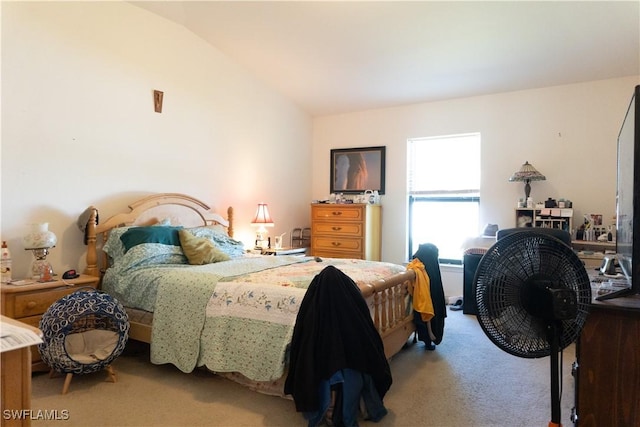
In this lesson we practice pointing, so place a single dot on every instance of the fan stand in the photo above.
(554, 362)
(533, 285)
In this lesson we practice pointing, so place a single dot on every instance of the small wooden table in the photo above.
(16, 381)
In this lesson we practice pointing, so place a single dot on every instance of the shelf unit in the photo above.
(545, 217)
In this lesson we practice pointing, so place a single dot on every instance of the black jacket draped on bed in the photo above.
(333, 331)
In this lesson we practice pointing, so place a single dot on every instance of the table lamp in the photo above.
(527, 173)
(262, 220)
(39, 240)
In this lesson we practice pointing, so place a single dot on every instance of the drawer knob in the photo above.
(336, 228)
(335, 243)
(31, 304)
(336, 213)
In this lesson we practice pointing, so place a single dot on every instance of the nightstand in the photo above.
(27, 303)
(285, 251)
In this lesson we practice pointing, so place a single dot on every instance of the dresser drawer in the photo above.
(338, 254)
(343, 229)
(332, 244)
(337, 213)
(35, 322)
(31, 304)
(32, 320)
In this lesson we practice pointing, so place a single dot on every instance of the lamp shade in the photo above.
(39, 237)
(262, 216)
(527, 173)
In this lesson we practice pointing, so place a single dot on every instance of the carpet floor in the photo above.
(466, 381)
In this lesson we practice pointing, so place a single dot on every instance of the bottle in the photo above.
(6, 263)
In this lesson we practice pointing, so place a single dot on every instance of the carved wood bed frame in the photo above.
(389, 295)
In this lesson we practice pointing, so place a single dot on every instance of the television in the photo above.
(628, 201)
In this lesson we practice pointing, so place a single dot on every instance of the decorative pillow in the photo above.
(200, 250)
(114, 247)
(226, 244)
(139, 235)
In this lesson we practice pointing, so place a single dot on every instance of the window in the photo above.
(444, 193)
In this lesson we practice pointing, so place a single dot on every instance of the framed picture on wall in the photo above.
(354, 170)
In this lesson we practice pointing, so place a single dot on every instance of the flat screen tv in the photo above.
(628, 200)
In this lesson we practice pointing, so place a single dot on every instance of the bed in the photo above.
(234, 317)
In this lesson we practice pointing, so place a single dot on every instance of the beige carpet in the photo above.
(467, 381)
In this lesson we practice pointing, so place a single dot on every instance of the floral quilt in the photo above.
(237, 315)
(250, 319)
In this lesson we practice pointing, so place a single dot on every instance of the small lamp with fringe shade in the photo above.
(527, 173)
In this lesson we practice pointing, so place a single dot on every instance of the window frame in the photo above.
(413, 199)
(417, 195)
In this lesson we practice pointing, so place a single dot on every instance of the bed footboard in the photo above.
(392, 315)
(391, 312)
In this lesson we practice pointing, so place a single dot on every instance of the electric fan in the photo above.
(533, 294)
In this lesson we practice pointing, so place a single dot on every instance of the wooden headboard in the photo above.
(180, 209)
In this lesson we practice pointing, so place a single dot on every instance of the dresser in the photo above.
(346, 231)
(27, 303)
(608, 365)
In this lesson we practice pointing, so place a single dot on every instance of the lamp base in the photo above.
(262, 241)
(41, 269)
(527, 190)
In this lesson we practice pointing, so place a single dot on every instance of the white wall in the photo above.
(567, 132)
(79, 128)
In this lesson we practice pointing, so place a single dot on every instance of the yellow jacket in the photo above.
(421, 291)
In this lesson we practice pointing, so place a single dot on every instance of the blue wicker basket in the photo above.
(87, 309)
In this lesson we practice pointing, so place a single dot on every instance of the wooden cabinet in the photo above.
(15, 389)
(27, 303)
(545, 217)
(608, 365)
(346, 231)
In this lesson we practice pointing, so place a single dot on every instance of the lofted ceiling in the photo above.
(332, 57)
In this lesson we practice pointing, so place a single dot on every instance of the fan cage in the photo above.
(78, 312)
(522, 260)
